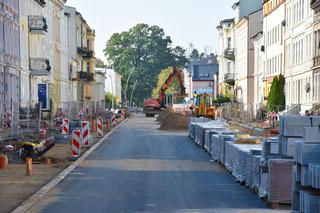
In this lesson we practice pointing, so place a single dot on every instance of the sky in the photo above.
(184, 21)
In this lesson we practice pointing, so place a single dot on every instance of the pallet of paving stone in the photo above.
(204, 128)
(253, 170)
(270, 150)
(208, 137)
(218, 144)
(280, 181)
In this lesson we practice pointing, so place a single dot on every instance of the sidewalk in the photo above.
(16, 187)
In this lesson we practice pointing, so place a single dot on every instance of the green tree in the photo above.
(100, 63)
(139, 54)
(195, 55)
(276, 98)
(174, 87)
(109, 97)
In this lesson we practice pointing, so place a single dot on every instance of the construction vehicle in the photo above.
(154, 106)
(203, 106)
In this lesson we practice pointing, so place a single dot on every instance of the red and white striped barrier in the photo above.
(85, 133)
(99, 127)
(81, 115)
(65, 126)
(123, 115)
(76, 143)
(113, 120)
(7, 118)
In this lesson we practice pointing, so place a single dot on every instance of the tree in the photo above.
(174, 87)
(108, 99)
(276, 98)
(100, 63)
(195, 55)
(139, 54)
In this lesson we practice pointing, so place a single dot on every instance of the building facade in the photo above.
(226, 58)
(298, 41)
(315, 5)
(259, 97)
(274, 16)
(113, 84)
(81, 59)
(9, 51)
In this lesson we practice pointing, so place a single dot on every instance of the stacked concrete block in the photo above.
(270, 150)
(218, 145)
(208, 137)
(306, 171)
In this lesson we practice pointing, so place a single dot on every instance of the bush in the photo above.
(222, 99)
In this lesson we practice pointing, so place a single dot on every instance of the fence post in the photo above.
(40, 114)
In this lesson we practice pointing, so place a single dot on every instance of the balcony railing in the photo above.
(229, 78)
(38, 24)
(40, 66)
(42, 2)
(84, 52)
(229, 53)
(316, 61)
(316, 18)
(86, 76)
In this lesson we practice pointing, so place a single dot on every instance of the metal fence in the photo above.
(254, 115)
(20, 119)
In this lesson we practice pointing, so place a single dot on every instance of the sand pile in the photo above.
(173, 121)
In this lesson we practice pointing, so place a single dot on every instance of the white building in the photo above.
(298, 42)
(259, 73)
(273, 27)
(113, 84)
(226, 58)
(97, 91)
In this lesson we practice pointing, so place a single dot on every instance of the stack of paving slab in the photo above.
(218, 145)
(208, 137)
(292, 130)
(239, 160)
(193, 121)
(306, 171)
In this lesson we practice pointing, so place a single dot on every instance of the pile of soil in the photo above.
(162, 116)
(174, 121)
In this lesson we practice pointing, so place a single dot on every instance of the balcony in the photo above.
(86, 76)
(38, 25)
(316, 61)
(42, 2)
(229, 78)
(84, 52)
(40, 66)
(229, 53)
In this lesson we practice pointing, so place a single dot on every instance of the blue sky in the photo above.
(183, 20)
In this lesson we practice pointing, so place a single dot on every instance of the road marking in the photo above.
(27, 204)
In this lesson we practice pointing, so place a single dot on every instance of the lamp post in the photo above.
(112, 98)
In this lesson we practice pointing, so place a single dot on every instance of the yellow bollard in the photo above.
(28, 166)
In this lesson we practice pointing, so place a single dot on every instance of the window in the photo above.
(229, 67)
(229, 42)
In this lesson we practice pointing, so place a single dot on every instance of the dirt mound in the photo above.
(174, 121)
(162, 116)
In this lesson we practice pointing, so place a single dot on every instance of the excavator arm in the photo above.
(175, 73)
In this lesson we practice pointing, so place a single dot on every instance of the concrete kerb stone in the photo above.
(27, 204)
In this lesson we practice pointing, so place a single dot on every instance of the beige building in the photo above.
(81, 55)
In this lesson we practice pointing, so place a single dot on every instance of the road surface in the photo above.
(142, 169)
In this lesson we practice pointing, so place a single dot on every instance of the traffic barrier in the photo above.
(108, 123)
(7, 118)
(76, 143)
(65, 126)
(99, 127)
(114, 120)
(122, 115)
(85, 133)
(81, 115)
(3, 162)
(93, 125)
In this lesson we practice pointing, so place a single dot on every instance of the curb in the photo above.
(27, 204)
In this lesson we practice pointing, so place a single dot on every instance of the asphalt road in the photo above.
(142, 169)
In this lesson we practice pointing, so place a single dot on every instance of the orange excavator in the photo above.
(154, 106)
